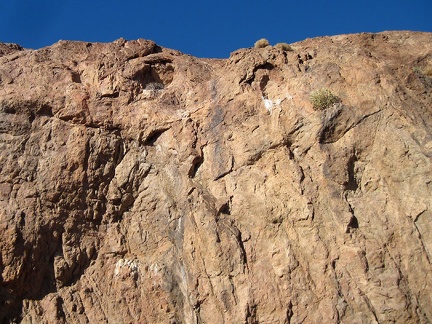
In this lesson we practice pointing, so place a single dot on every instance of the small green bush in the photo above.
(261, 43)
(427, 71)
(416, 69)
(283, 47)
(323, 99)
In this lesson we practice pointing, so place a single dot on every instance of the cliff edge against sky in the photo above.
(142, 185)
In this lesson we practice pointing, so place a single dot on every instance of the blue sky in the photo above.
(204, 28)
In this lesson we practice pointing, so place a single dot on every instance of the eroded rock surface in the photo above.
(223, 197)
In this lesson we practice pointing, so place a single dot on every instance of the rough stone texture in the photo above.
(224, 197)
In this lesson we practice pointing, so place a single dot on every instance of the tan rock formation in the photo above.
(223, 197)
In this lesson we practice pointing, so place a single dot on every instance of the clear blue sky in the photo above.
(204, 28)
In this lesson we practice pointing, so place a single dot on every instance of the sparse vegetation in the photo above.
(323, 99)
(416, 69)
(283, 47)
(261, 43)
(427, 71)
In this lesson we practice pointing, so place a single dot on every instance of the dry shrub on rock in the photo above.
(261, 43)
(323, 99)
(283, 47)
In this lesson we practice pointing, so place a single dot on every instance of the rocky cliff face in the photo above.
(223, 197)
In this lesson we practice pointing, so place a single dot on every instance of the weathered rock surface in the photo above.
(224, 197)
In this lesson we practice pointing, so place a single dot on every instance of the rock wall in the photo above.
(142, 185)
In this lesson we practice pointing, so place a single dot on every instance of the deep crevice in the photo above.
(351, 184)
(111, 95)
(157, 49)
(289, 313)
(265, 66)
(251, 314)
(153, 136)
(225, 209)
(45, 110)
(76, 77)
(353, 224)
(196, 164)
(263, 84)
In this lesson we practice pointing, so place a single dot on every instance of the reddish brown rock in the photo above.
(142, 185)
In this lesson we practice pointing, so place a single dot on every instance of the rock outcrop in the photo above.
(142, 185)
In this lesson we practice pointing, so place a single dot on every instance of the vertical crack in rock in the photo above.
(351, 184)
